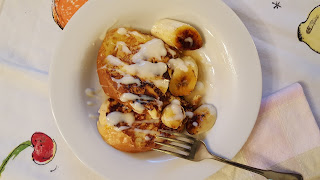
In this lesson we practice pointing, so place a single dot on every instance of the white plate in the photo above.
(233, 69)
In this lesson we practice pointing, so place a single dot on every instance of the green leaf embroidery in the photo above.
(14, 154)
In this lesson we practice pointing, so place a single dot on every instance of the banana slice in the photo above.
(202, 120)
(196, 95)
(184, 75)
(173, 114)
(177, 34)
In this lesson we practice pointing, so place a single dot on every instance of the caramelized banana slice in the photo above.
(184, 76)
(196, 95)
(173, 114)
(202, 120)
(177, 34)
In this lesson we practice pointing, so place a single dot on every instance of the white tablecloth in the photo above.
(28, 37)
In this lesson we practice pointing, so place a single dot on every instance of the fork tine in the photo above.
(174, 146)
(175, 140)
(178, 134)
(171, 153)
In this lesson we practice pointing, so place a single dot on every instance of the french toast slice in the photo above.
(124, 68)
(133, 72)
(137, 136)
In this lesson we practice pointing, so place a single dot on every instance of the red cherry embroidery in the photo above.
(44, 148)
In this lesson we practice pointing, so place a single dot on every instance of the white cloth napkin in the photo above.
(285, 138)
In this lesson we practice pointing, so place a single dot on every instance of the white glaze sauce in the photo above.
(137, 107)
(153, 48)
(128, 97)
(189, 39)
(172, 52)
(127, 79)
(132, 97)
(161, 82)
(90, 103)
(122, 31)
(135, 33)
(114, 118)
(90, 92)
(147, 138)
(115, 61)
(199, 86)
(123, 46)
(146, 131)
(189, 61)
(103, 67)
(176, 110)
(178, 64)
(121, 128)
(144, 70)
(195, 124)
(189, 114)
(149, 121)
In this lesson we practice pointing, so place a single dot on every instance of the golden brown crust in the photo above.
(132, 139)
(139, 137)
(120, 140)
(107, 48)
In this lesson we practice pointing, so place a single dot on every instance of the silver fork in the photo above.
(195, 150)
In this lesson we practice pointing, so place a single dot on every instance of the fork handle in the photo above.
(269, 174)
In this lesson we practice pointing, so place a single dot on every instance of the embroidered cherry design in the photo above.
(43, 152)
(44, 148)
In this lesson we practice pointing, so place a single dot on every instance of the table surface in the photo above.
(29, 36)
